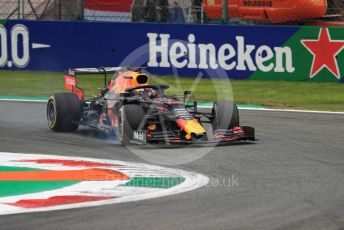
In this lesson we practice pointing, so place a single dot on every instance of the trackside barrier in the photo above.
(292, 53)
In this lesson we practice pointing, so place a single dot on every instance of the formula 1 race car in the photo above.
(140, 113)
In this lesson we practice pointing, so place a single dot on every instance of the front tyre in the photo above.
(130, 117)
(226, 115)
(63, 109)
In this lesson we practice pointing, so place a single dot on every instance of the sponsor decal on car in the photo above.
(140, 137)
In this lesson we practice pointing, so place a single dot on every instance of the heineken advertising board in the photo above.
(292, 53)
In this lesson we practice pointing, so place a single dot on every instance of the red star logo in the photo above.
(324, 51)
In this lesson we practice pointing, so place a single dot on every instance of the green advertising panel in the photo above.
(317, 53)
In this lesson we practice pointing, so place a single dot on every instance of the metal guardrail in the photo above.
(39, 9)
(180, 11)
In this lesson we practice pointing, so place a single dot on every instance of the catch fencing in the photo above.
(297, 12)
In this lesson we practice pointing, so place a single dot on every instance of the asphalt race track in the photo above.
(293, 178)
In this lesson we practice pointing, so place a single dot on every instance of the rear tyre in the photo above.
(129, 119)
(226, 115)
(63, 109)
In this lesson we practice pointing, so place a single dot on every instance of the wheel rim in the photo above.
(216, 120)
(120, 125)
(51, 113)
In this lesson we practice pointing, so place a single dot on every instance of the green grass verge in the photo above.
(274, 94)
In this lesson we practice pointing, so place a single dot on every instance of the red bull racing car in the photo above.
(138, 112)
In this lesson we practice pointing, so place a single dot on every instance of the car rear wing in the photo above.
(71, 82)
(100, 70)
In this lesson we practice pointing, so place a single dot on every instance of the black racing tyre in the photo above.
(226, 115)
(62, 110)
(130, 117)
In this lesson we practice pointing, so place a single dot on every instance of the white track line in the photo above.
(293, 110)
(244, 108)
(23, 100)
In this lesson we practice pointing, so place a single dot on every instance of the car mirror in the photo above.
(187, 93)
